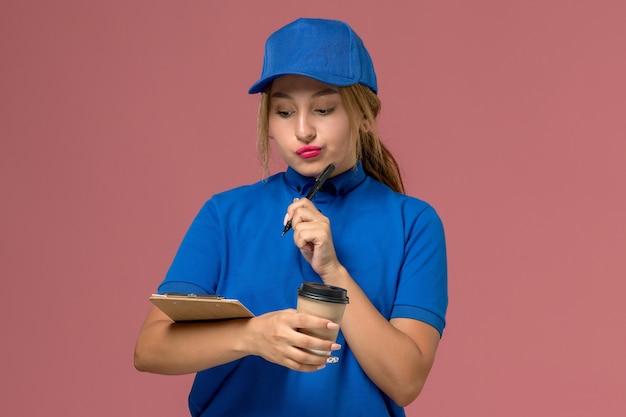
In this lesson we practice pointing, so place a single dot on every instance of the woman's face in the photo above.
(310, 125)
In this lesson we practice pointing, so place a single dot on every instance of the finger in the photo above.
(306, 219)
(286, 219)
(289, 212)
(309, 321)
(301, 367)
(311, 237)
(299, 204)
(301, 215)
(304, 360)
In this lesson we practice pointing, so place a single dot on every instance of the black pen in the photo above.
(319, 181)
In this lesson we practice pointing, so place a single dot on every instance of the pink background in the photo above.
(118, 119)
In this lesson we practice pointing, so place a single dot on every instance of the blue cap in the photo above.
(326, 50)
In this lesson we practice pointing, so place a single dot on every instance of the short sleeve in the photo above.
(196, 266)
(423, 283)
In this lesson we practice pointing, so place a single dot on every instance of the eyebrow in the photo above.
(321, 93)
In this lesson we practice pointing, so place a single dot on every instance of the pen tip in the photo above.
(286, 228)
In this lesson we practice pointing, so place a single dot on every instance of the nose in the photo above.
(305, 131)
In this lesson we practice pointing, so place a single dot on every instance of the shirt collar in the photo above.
(341, 184)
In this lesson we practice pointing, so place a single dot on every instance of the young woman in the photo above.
(360, 232)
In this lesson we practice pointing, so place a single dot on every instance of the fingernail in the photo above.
(332, 326)
(322, 366)
(285, 219)
(335, 346)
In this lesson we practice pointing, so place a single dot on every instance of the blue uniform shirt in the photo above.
(391, 244)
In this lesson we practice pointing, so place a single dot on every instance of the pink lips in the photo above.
(309, 151)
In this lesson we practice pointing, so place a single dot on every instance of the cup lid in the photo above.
(323, 292)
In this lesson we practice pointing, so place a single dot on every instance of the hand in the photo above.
(274, 337)
(312, 235)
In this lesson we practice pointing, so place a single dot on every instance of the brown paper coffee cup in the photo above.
(324, 301)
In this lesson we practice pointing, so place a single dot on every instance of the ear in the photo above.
(366, 126)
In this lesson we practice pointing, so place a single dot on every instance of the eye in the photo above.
(284, 113)
(325, 112)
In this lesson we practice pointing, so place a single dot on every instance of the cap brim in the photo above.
(326, 78)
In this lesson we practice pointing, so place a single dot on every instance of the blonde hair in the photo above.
(363, 105)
